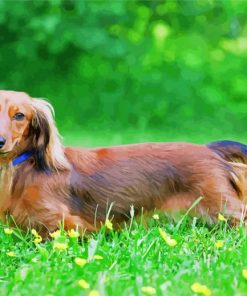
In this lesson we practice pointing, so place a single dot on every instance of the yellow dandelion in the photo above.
(55, 234)
(8, 231)
(169, 241)
(83, 284)
(97, 257)
(11, 254)
(94, 293)
(34, 233)
(80, 261)
(108, 224)
(73, 233)
(60, 246)
(201, 289)
(156, 217)
(219, 244)
(244, 273)
(148, 290)
(163, 234)
(38, 239)
(221, 217)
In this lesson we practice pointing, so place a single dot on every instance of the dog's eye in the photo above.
(19, 116)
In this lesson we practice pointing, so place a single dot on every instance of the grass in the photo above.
(130, 259)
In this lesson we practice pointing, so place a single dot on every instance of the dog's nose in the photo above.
(2, 142)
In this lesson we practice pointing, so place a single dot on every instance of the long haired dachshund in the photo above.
(42, 182)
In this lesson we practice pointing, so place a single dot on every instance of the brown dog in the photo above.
(43, 183)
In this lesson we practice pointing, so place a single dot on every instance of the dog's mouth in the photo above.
(3, 153)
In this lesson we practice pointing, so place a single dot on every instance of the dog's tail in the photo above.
(230, 150)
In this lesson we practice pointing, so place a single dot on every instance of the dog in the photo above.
(42, 182)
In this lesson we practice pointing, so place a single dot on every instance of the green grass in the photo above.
(132, 258)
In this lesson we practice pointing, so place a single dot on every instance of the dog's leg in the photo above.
(236, 211)
(74, 222)
(191, 202)
(230, 207)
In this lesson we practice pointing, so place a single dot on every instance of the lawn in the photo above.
(158, 257)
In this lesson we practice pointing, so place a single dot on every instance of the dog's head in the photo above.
(28, 124)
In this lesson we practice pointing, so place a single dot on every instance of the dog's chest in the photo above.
(6, 181)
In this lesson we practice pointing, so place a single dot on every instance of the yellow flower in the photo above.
(83, 284)
(73, 234)
(34, 233)
(80, 261)
(221, 218)
(8, 231)
(169, 241)
(11, 254)
(244, 273)
(201, 289)
(94, 293)
(97, 257)
(156, 217)
(60, 246)
(108, 224)
(148, 290)
(38, 239)
(55, 234)
(219, 244)
(163, 234)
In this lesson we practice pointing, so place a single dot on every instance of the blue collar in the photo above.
(22, 157)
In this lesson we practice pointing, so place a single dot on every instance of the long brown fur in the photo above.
(78, 185)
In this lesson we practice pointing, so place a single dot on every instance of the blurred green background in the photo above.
(131, 71)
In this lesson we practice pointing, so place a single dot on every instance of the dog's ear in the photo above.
(46, 140)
